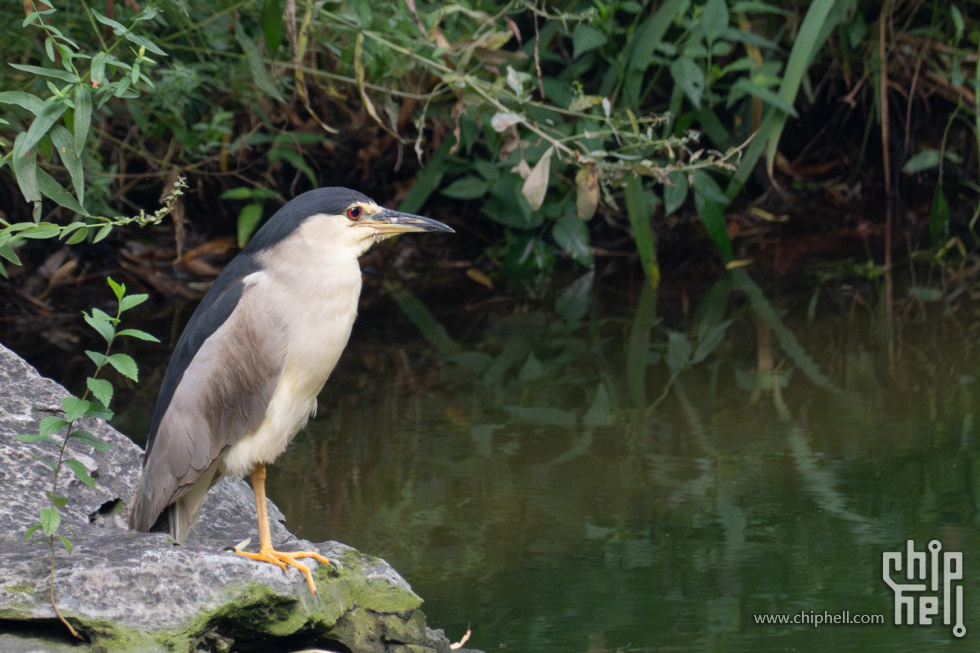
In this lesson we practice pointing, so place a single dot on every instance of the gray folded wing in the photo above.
(224, 371)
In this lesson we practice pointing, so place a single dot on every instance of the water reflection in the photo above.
(518, 491)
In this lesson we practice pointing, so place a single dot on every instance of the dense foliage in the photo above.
(540, 116)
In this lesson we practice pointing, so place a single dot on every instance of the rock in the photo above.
(131, 591)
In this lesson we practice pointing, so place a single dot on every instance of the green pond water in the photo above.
(566, 485)
(586, 475)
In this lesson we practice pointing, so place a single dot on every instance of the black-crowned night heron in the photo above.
(245, 374)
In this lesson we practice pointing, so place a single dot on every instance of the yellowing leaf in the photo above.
(587, 191)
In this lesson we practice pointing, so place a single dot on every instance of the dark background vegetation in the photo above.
(608, 145)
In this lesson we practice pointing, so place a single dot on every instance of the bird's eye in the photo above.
(354, 212)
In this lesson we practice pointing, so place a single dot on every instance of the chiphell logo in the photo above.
(927, 578)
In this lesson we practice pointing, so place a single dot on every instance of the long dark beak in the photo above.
(387, 221)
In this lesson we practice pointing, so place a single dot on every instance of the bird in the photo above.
(245, 373)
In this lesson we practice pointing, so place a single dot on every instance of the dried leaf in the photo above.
(504, 119)
(480, 278)
(536, 185)
(458, 645)
(523, 169)
(511, 141)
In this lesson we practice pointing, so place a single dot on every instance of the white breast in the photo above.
(315, 296)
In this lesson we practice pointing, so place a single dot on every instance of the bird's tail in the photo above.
(175, 518)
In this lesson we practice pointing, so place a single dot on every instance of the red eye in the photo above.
(354, 212)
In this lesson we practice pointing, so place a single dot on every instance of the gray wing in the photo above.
(215, 391)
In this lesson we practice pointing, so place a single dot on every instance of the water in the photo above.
(521, 492)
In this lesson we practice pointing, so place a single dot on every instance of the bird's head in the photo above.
(339, 217)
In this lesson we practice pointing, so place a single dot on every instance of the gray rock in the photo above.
(128, 591)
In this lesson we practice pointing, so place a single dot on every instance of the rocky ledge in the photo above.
(127, 591)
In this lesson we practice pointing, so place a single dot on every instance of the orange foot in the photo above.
(283, 558)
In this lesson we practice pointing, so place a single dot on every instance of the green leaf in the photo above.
(41, 231)
(260, 74)
(689, 76)
(573, 302)
(25, 169)
(98, 411)
(675, 193)
(248, 221)
(743, 85)
(467, 188)
(923, 160)
(97, 72)
(125, 365)
(586, 38)
(50, 425)
(651, 33)
(89, 439)
(118, 28)
(97, 357)
(639, 207)
(78, 234)
(271, 21)
(925, 293)
(72, 230)
(508, 206)
(37, 437)
(29, 533)
(295, 159)
(432, 330)
(428, 180)
(714, 19)
(54, 190)
(7, 252)
(58, 502)
(102, 233)
(52, 110)
(248, 193)
(67, 543)
(130, 301)
(600, 412)
(147, 14)
(709, 341)
(958, 23)
(50, 520)
(63, 75)
(104, 327)
(139, 335)
(83, 119)
(678, 351)
(32, 103)
(74, 407)
(572, 235)
(706, 186)
(101, 390)
(35, 16)
(144, 42)
(118, 289)
(240, 193)
(713, 218)
(80, 472)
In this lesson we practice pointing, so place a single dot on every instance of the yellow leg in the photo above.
(266, 552)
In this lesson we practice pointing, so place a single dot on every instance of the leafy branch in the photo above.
(100, 391)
